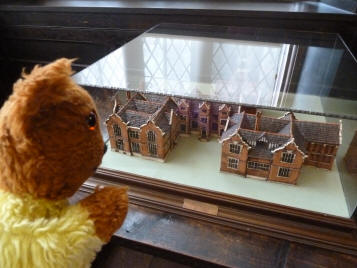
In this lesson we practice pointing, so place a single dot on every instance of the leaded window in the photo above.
(284, 172)
(287, 157)
(151, 136)
(135, 147)
(233, 163)
(258, 165)
(117, 130)
(133, 134)
(120, 144)
(152, 149)
(234, 148)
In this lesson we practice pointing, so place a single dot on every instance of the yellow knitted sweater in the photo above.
(42, 233)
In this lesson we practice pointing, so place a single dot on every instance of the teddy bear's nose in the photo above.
(105, 148)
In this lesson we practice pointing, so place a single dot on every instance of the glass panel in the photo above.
(259, 72)
(303, 72)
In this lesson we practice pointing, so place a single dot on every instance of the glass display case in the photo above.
(250, 108)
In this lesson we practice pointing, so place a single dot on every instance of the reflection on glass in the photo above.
(285, 76)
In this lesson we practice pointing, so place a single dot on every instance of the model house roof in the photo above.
(265, 134)
(140, 109)
(319, 132)
(134, 119)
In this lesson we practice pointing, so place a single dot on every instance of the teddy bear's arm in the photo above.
(107, 208)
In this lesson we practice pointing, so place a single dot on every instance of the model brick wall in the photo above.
(351, 156)
(241, 157)
(294, 167)
(154, 130)
(123, 134)
(204, 123)
(275, 149)
(321, 155)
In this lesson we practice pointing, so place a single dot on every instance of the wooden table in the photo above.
(150, 238)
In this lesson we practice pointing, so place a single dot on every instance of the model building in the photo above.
(205, 118)
(351, 155)
(253, 145)
(275, 148)
(144, 126)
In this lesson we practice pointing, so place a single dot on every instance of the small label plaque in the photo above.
(200, 206)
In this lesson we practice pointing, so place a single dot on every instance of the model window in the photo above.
(204, 119)
(214, 126)
(151, 136)
(234, 148)
(195, 115)
(330, 149)
(135, 147)
(120, 144)
(257, 165)
(287, 157)
(153, 149)
(182, 108)
(204, 110)
(117, 130)
(233, 163)
(183, 128)
(194, 124)
(284, 172)
(223, 122)
(134, 134)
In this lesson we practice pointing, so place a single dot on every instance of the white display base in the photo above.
(196, 164)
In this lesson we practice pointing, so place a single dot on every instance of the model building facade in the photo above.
(275, 148)
(253, 145)
(144, 126)
(206, 118)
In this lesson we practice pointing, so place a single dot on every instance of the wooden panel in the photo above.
(182, 241)
(108, 37)
(261, 217)
(209, 242)
(114, 256)
(310, 257)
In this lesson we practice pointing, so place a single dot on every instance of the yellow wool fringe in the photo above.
(42, 233)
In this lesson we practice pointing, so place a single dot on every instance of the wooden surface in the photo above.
(149, 238)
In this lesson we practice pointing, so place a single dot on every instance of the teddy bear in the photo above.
(50, 143)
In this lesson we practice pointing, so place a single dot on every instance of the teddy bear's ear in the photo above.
(36, 91)
(44, 78)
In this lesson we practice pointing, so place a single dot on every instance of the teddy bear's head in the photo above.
(50, 140)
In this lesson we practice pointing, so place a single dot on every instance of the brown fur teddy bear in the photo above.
(50, 143)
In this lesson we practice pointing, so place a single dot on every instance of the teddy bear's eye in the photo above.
(92, 120)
